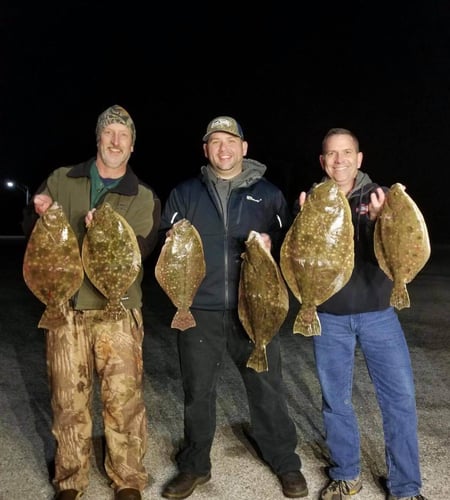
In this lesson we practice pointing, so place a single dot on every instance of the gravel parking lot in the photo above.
(27, 444)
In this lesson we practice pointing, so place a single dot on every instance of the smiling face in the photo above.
(341, 160)
(114, 148)
(225, 153)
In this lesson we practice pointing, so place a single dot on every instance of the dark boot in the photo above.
(183, 485)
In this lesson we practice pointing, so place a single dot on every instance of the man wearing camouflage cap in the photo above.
(89, 341)
(115, 114)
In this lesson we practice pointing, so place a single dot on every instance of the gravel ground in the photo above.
(27, 444)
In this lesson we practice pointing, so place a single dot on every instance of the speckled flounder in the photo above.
(180, 269)
(111, 258)
(317, 254)
(263, 298)
(52, 267)
(401, 242)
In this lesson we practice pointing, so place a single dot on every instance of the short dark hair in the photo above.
(339, 131)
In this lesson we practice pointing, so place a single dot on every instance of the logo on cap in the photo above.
(223, 124)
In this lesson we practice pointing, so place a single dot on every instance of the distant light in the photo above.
(10, 184)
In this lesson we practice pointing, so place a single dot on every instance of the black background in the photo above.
(286, 73)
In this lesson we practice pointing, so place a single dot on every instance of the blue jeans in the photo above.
(386, 353)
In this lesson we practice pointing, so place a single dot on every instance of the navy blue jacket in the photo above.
(254, 203)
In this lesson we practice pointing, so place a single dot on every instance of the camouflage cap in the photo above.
(115, 114)
(223, 124)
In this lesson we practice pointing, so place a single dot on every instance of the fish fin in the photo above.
(114, 311)
(258, 360)
(307, 323)
(52, 318)
(183, 320)
(399, 296)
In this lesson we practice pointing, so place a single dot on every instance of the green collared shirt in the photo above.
(99, 185)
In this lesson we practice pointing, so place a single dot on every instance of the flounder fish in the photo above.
(180, 269)
(111, 258)
(401, 242)
(263, 298)
(317, 254)
(52, 267)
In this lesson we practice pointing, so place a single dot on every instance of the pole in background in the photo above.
(11, 184)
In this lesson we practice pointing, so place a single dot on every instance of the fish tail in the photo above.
(114, 311)
(52, 319)
(307, 323)
(399, 296)
(183, 320)
(258, 360)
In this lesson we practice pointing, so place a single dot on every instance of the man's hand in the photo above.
(376, 203)
(266, 240)
(301, 199)
(42, 202)
(89, 217)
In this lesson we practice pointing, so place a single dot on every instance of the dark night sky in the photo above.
(379, 69)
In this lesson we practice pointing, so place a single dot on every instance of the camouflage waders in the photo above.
(114, 350)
